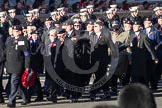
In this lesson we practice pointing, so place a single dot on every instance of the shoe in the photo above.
(106, 95)
(92, 97)
(53, 99)
(2, 100)
(74, 100)
(25, 103)
(38, 99)
(11, 105)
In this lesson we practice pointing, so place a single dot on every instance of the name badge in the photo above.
(21, 43)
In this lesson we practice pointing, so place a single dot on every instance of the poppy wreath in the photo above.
(28, 78)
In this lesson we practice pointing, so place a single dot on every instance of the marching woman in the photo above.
(36, 65)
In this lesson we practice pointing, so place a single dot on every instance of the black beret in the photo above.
(30, 24)
(136, 22)
(35, 32)
(126, 19)
(17, 27)
(128, 22)
(57, 22)
(61, 31)
(115, 28)
(148, 19)
(48, 19)
(90, 21)
(115, 22)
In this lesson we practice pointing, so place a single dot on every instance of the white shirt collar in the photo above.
(69, 33)
(98, 34)
(137, 33)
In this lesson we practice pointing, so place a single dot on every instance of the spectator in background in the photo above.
(101, 6)
(112, 2)
(63, 3)
(12, 3)
(136, 96)
(5, 6)
(52, 5)
(75, 7)
(19, 8)
(146, 5)
(125, 5)
(83, 3)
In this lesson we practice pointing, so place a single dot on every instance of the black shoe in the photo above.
(11, 105)
(53, 99)
(2, 100)
(106, 95)
(38, 99)
(25, 103)
(74, 100)
(92, 97)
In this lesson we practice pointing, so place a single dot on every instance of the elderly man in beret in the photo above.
(17, 61)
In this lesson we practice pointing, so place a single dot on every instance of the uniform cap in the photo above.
(53, 13)
(109, 12)
(11, 10)
(113, 6)
(83, 10)
(35, 10)
(60, 9)
(28, 15)
(30, 11)
(2, 13)
(83, 13)
(134, 8)
(157, 8)
(89, 6)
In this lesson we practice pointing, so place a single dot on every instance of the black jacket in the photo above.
(17, 55)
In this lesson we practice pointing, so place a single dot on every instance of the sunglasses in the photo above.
(51, 35)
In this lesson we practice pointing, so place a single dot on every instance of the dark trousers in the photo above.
(152, 77)
(139, 79)
(1, 78)
(15, 87)
(36, 88)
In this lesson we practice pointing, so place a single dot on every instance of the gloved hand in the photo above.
(28, 70)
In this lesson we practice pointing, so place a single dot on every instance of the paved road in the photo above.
(83, 103)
